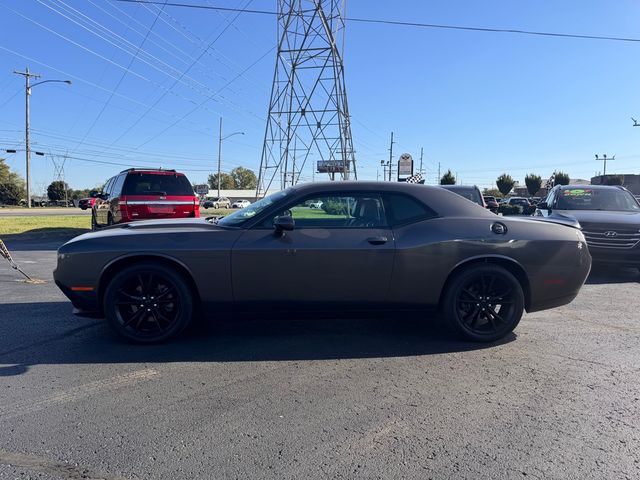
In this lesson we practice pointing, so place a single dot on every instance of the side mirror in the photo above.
(543, 206)
(94, 194)
(103, 196)
(283, 223)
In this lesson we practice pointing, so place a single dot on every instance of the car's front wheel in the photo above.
(484, 302)
(148, 303)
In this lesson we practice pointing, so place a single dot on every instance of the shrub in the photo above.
(335, 207)
(506, 209)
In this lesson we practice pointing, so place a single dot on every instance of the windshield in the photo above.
(250, 211)
(597, 199)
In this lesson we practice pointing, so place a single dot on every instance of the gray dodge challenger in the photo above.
(327, 246)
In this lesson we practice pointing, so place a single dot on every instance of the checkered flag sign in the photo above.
(417, 178)
(551, 182)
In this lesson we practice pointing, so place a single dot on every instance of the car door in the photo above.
(114, 198)
(102, 203)
(340, 253)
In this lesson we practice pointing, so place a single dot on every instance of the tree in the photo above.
(614, 180)
(534, 183)
(12, 187)
(491, 192)
(505, 183)
(561, 178)
(56, 191)
(226, 181)
(448, 179)
(78, 194)
(244, 178)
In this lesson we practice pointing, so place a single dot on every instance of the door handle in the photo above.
(377, 240)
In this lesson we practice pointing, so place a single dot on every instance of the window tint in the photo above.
(404, 209)
(338, 211)
(107, 186)
(117, 185)
(154, 184)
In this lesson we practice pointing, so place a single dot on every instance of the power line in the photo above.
(408, 24)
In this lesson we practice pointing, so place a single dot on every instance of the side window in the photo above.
(341, 210)
(116, 190)
(107, 186)
(403, 209)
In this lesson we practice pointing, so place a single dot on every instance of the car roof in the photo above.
(153, 171)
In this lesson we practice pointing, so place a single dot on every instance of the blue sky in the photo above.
(479, 103)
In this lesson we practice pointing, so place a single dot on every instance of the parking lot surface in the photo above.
(273, 397)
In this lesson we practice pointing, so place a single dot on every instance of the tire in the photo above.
(165, 308)
(94, 223)
(484, 303)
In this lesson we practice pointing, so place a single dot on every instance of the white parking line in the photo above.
(74, 394)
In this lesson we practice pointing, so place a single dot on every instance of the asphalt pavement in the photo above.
(291, 398)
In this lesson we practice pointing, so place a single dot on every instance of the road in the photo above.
(299, 398)
(21, 212)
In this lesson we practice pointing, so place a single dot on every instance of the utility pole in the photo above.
(219, 155)
(604, 158)
(439, 177)
(27, 89)
(421, 155)
(390, 155)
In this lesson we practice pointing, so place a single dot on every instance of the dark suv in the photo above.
(144, 194)
(609, 217)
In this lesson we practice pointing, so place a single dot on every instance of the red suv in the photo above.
(144, 194)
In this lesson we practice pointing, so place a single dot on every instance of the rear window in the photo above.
(468, 193)
(150, 184)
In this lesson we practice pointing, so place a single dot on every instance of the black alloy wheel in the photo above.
(484, 302)
(148, 303)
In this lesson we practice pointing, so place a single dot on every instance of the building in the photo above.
(631, 181)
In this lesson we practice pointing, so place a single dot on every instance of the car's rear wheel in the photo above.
(484, 302)
(148, 303)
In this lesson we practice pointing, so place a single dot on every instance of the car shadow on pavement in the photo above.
(605, 274)
(41, 239)
(60, 338)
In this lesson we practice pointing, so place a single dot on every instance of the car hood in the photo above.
(164, 227)
(602, 216)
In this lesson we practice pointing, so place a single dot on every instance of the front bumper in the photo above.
(85, 304)
(629, 257)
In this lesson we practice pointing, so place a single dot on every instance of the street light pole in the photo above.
(220, 139)
(27, 90)
(219, 155)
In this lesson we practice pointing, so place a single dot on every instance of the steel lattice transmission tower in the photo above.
(308, 114)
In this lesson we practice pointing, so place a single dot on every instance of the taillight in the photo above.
(124, 212)
(196, 207)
